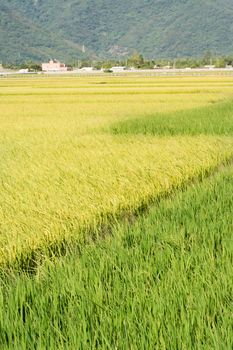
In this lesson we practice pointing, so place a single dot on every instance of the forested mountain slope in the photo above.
(157, 28)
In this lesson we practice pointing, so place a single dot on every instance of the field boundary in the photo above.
(30, 261)
(213, 119)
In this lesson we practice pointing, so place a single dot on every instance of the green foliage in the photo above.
(214, 120)
(136, 60)
(41, 29)
(163, 283)
(220, 63)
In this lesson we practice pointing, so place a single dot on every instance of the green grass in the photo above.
(162, 283)
(210, 120)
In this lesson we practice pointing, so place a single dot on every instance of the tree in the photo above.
(136, 60)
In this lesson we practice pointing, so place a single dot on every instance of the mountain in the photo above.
(39, 29)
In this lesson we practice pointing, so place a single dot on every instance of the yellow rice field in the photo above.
(61, 171)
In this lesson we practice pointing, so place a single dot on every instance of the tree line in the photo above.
(137, 61)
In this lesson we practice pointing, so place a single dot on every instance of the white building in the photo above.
(87, 69)
(118, 69)
(24, 71)
(209, 66)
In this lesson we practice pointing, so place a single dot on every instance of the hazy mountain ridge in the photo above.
(157, 28)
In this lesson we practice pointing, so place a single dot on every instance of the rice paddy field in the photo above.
(116, 212)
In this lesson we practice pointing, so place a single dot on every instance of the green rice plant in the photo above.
(53, 187)
(62, 177)
(162, 283)
(210, 120)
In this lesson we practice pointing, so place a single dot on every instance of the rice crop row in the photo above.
(211, 120)
(163, 283)
(51, 191)
(35, 105)
(62, 174)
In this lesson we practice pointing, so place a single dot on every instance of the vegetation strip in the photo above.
(210, 120)
(161, 283)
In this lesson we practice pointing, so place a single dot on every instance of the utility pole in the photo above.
(174, 64)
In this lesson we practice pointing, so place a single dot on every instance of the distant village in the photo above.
(55, 66)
